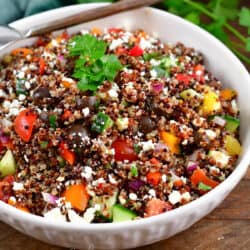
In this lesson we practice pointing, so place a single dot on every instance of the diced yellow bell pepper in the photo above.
(232, 145)
(211, 103)
(171, 141)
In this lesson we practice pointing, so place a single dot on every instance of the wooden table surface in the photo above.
(227, 227)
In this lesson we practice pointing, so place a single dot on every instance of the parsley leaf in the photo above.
(204, 187)
(225, 8)
(248, 44)
(87, 45)
(92, 67)
(245, 17)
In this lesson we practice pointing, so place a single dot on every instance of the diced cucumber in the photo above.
(101, 123)
(121, 213)
(106, 203)
(189, 94)
(232, 123)
(7, 164)
(220, 157)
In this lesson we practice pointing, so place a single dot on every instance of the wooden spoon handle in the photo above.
(89, 15)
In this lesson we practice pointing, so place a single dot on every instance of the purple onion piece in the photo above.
(191, 166)
(4, 139)
(136, 184)
(157, 86)
(49, 198)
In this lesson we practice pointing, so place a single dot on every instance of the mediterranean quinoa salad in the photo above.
(111, 126)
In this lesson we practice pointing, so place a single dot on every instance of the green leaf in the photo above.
(193, 17)
(111, 65)
(149, 56)
(52, 121)
(224, 8)
(88, 46)
(20, 89)
(85, 84)
(216, 28)
(134, 170)
(245, 17)
(248, 44)
(204, 187)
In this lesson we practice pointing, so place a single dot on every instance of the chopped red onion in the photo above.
(4, 139)
(157, 86)
(191, 166)
(219, 121)
(136, 185)
(51, 199)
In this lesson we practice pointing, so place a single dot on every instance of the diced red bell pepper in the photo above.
(114, 30)
(67, 154)
(184, 78)
(24, 124)
(41, 66)
(67, 114)
(136, 51)
(124, 150)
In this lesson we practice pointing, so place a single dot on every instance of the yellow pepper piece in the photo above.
(171, 141)
(211, 103)
(232, 145)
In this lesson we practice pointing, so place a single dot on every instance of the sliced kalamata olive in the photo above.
(78, 134)
(40, 93)
(146, 124)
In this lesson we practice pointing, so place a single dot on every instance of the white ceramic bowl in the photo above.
(223, 64)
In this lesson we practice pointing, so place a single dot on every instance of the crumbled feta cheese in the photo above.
(85, 112)
(27, 85)
(174, 197)
(186, 196)
(132, 196)
(122, 123)
(55, 215)
(89, 215)
(21, 97)
(164, 178)
(220, 158)
(122, 200)
(18, 186)
(152, 192)
(115, 43)
(75, 218)
(98, 181)
(2, 93)
(112, 179)
(147, 145)
(145, 44)
(54, 43)
(153, 73)
(210, 134)
(234, 106)
(87, 173)
(214, 169)
(21, 74)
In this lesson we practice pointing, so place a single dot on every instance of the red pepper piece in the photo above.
(136, 51)
(184, 78)
(24, 124)
(154, 178)
(41, 66)
(67, 154)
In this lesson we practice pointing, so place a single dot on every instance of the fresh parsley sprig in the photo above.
(92, 66)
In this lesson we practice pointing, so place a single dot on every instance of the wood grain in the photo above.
(228, 227)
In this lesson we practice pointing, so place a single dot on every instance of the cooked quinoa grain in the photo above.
(111, 126)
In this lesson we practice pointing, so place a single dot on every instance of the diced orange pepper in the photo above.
(228, 94)
(155, 162)
(200, 176)
(41, 66)
(67, 114)
(96, 31)
(178, 183)
(22, 52)
(78, 196)
(171, 141)
(66, 84)
(66, 154)
(154, 178)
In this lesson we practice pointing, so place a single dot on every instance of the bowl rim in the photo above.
(232, 179)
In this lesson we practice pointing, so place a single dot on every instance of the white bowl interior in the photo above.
(219, 60)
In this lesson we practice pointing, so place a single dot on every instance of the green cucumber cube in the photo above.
(121, 214)
(7, 164)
